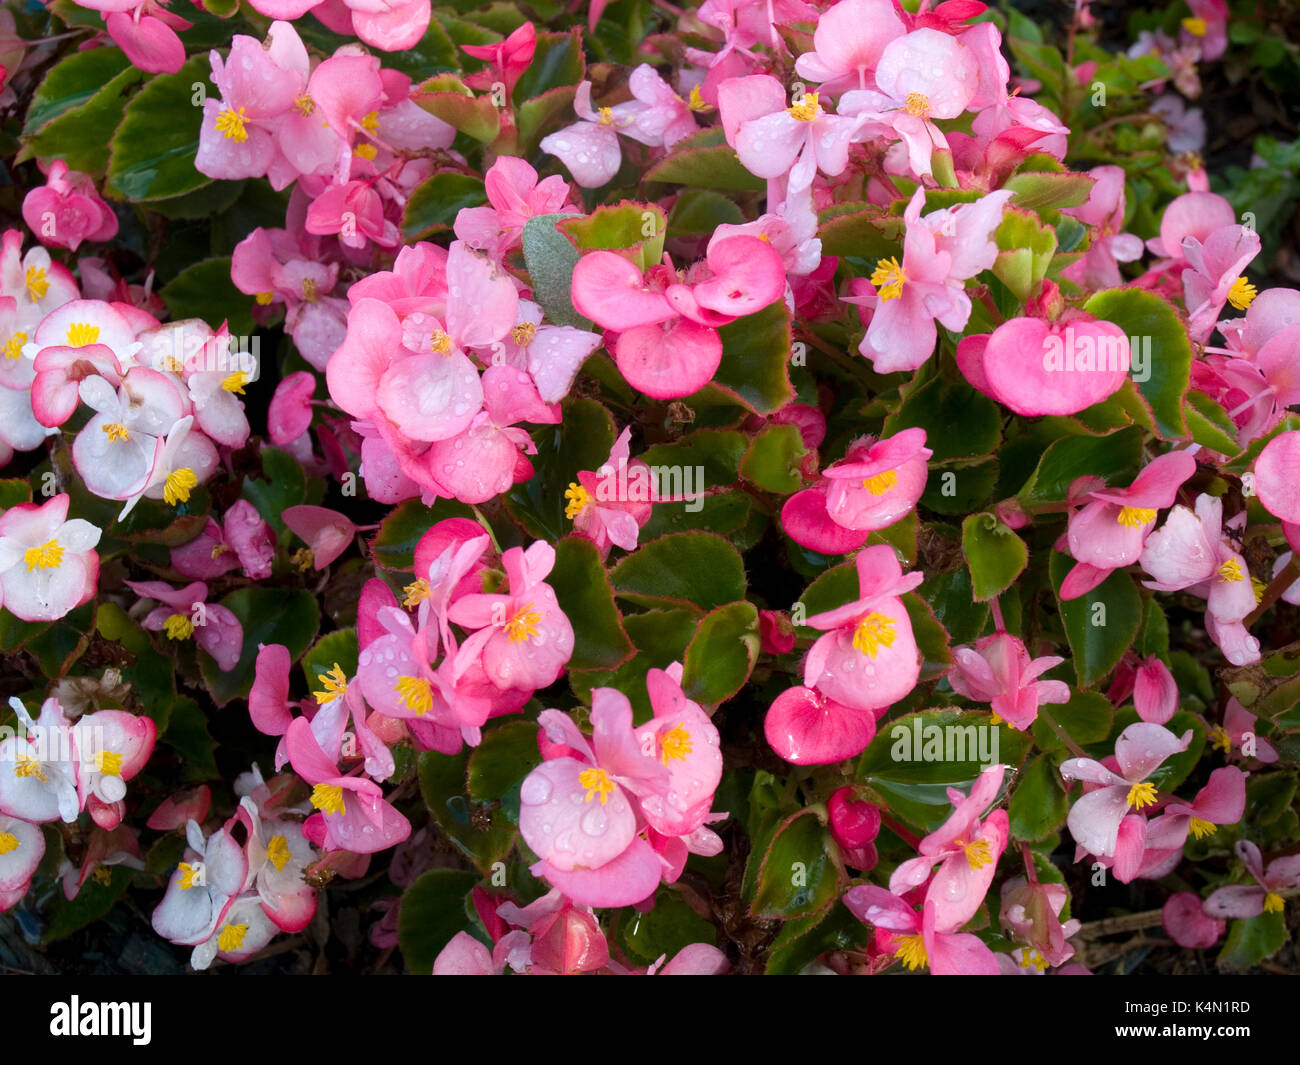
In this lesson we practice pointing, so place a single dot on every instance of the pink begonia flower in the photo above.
(112, 747)
(351, 812)
(566, 938)
(941, 251)
(551, 354)
(514, 196)
(667, 344)
(915, 939)
(1276, 483)
(48, 563)
(999, 670)
(207, 556)
(599, 511)
(188, 804)
(278, 853)
(1238, 733)
(1243, 901)
(1111, 529)
(1155, 692)
(868, 657)
(269, 706)
(1221, 802)
(791, 231)
(289, 415)
(146, 31)
(202, 888)
(106, 848)
(1214, 277)
(218, 411)
(327, 533)
(1193, 214)
(1190, 551)
(466, 956)
(251, 538)
(186, 460)
(966, 851)
(36, 285)
(1094, 819)
(776, 632)
(776, 139)
(507, 60)
(1208, 27)
(184, 613)
(1185, 920)
(847, 44)
(854, 826)
(116, 452)
(1031, 912)
(1184, 126)
(1099, 267)
(22, 846)
(80, 329)
(806, 727)
(68, 209)
(38, 771)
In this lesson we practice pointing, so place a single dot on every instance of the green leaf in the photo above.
(446, 97)
(269, 615)
(798, 876)
(773, 459)
(205, 291)
(959, 422)
(282, 485)
(698, 212)
(433, 910)
(1210, 425)
(952, 598)
(481, 832)
(394, 544)
(550, 258)
(722, 654)
(1086, 718)
(1146, 316)
(335, 648)
(661, 638)
(72, 83)
(1100, 625)
(995, 554)
(1051, 191)
(801, 941)
(755, 361)
(624, 226)
(931, 639)
(434, 203)
(1038, 804)
(80, 97)
(1153, 637)
(151, 156)
(1112, 457)
(704, 160)
(1026, 246)
(557, 62)
(1251, 941)
(187, 734)
(14, 490)
(693, 569)
(585, 596)
(867, 233)
(507, 754)
(93, 901)
(665, 929)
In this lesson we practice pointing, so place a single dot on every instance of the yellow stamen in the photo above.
(695, 101)
(27, 766)
(219, 550)
(231, 123)
(889, 279)
(178, 627)
(676, 744)
(1257, 586)
(416, 694)
(578, 500)
(189, 874)
(365, 151)
(48, 556)
(978, 854)
(881, 483)
(606, 116)
(264, 298)
(232, 937)
(277, 853)
(1030, 958)
(8, 843)
(597, 782)
(303, 559)
(82, 333)
(14, 346)
(37, 285)
(235, 382)
(328, 798)
(910, 950)
(1274, 903)
(523, 625)
(1195, 26)
(1140, 795)
(918, 104)
(524, 334)
(310, 290)
(109, 763)
(1230, 572)
(305, 105)
(872, 632)
(116, 432)
(1201, 828)
(371, 122)
(334, 683)
(807, 109)
(1242, 294)
(1135, 517)
(440, 343)
(416, 592)
(102, 875)
(1219, 738)
(176, 489)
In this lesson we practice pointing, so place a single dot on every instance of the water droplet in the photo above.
(594, 822)
(535, 791)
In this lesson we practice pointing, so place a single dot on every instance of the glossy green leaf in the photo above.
(798, 875)
(1038, 804)
(585, 596)
(433, 910)
(269, 615)
(1101, 625)
(722, 654)
(151, 156)
(693, 569)
(434, 204)
(773, 459)
(994, 553)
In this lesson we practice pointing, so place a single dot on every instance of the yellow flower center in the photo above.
(695, 101)
(416, 592)
(231, 124)
(218, 550)
(14, 346)
(1195, 26)
(109, 763)
(1242, 294)
(1230, 572)
(189, 874)
(1258, 587)
(873, 632)
(102, 875)
(597, 782)
(1030, 958)
(1274, 903)
(1201, 828)
(303, 559)
(305, 105)
(1219, 738)
(235, 382)
(578, 500)
(178, 627)
(176, 489)
(416, 694)
(918, 104)
(277, 853)
(116, 432)
(264, 298)
(978, 854)
(1140, 795)
(1135, 517)
(27, 766)
(606, 116)
(440, 343)
(82, 333)
(232, 937)
(366, 151)
(881, 483)
(328, 798)
(371, 122)
(8, 843)
(334, 683)
(523, 626)
(910, 950)
(48, 556)
(676, 744)
(889, 279)
(524, 334)
(37, 285)
(807, 109)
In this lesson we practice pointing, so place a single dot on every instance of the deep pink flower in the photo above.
(184, 613)
(999, 670)
(68, 209)
(917, 939)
